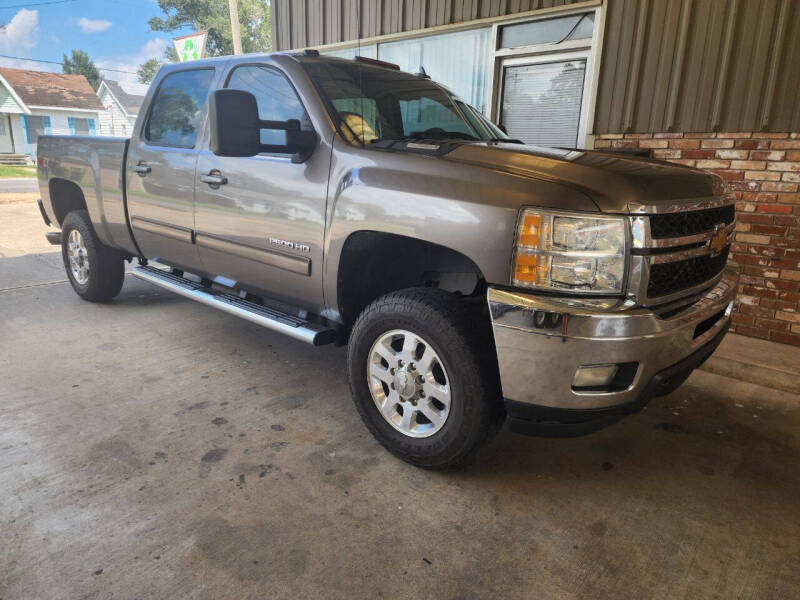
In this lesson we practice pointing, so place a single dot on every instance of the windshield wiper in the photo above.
(506, 140)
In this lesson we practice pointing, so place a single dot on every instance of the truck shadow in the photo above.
(706, 442)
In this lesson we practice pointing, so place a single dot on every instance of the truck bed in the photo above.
(96, 166)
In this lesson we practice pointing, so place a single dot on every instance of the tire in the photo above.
(461, 339)
(103, 278)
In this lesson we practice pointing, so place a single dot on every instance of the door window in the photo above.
(542, 102)
(177, 107)
(276, 98)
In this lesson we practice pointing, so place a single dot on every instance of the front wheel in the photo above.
(423, 376)
(95, 271)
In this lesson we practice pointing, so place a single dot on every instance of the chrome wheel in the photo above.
(408, 383)
(78, 257)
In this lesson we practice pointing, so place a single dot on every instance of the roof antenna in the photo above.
(422, 74)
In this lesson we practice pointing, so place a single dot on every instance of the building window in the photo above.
(80, 126)
(542, 102)
(458, 60)
(35, 126)
(547, 31)
(370, 51)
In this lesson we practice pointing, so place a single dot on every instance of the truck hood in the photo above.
(616, 183)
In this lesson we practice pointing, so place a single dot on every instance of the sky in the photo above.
(115, 33)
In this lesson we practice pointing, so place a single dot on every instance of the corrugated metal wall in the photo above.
(700, 65)
(667, 65)
(303, 23)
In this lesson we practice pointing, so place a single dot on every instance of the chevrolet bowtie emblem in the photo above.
(719, 241)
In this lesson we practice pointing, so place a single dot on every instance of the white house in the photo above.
(34, 103)
(122, 102)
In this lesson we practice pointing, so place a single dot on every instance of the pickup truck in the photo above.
(472, 277)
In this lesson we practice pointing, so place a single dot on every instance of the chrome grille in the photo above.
(670, 277)
(679, 252)
(682, 224)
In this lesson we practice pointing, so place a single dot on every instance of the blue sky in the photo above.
(114, 33)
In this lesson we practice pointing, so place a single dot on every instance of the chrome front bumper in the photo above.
(541, 341)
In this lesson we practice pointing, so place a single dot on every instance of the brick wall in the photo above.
(763, 171)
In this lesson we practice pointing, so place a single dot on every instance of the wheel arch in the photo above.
(375, 263)
(65, 196)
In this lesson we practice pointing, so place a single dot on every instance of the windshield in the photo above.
(376, 103)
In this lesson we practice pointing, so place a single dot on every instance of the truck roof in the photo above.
(307, 55)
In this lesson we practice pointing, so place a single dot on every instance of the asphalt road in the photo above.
(156, 448)
(10, 185)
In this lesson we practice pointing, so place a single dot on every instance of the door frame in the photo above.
(543, 59)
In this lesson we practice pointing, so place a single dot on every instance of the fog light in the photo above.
(594, 376)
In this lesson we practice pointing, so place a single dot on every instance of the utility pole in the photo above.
(233, 7)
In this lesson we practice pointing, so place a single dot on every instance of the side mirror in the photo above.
(234, 123)
(236, 128)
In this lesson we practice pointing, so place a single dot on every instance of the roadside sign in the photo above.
(191, 47)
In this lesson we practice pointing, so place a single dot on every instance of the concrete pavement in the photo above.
(155, 448)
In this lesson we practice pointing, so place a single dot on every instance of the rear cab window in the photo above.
(177, 108)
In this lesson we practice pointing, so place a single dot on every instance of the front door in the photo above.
(543, 100)
(160, 169)
(263, 227)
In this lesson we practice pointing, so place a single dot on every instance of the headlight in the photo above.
(570, 252)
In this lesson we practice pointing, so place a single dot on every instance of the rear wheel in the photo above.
(424, 377)
(95, 271)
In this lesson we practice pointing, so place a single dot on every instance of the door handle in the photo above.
(142, 169)
(214, 178)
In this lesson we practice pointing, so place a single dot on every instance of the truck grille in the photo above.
(676, 254)
(682, 224)
(668, 278)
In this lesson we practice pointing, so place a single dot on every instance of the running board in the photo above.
(294, 327)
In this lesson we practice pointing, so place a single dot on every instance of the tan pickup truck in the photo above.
(345, 201)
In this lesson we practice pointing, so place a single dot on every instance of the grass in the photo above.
(10, 171)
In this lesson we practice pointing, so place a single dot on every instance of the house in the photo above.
(122, 102)
(34, 103)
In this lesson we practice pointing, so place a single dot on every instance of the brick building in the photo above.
(708, 83)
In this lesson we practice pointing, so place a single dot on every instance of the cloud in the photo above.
(93, 25)
(130, 62)
(20, 35)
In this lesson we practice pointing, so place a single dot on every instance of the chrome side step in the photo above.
(295, 327)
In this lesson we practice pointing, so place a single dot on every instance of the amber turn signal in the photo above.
(525, 268)
(529, 230)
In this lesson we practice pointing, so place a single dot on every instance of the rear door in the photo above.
(263, 227)
(161, 168)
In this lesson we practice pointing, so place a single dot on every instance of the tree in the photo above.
(79, 63)
(212, 15)
(147, 70)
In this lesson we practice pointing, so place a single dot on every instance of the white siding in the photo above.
(114, 122)
(59, 125)
(7, 102)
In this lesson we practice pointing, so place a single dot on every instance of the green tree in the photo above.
(212, 15)
(147, 70)
(170, 54)
(79, 63)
